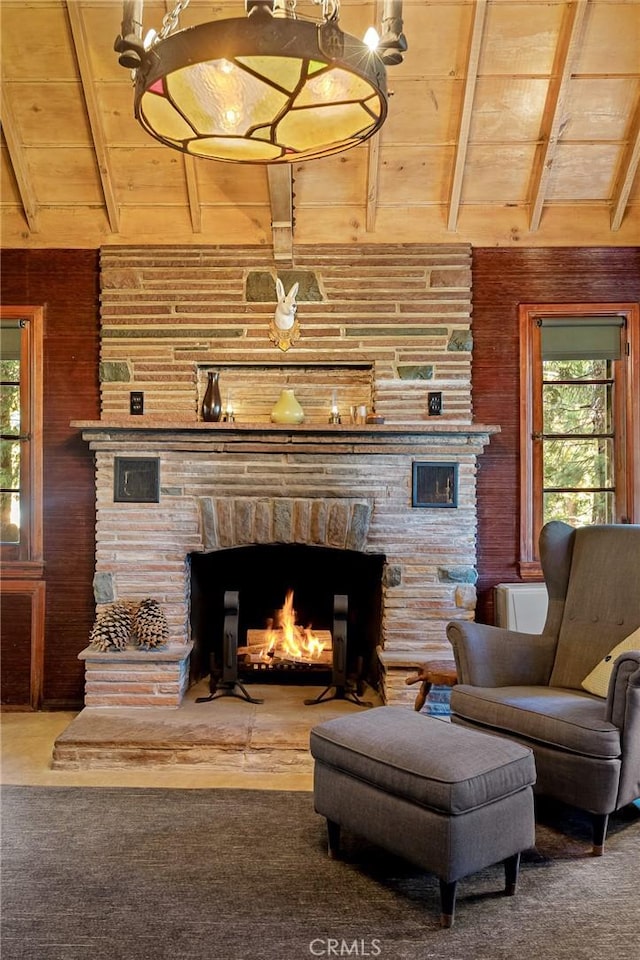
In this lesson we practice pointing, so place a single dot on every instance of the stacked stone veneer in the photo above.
(136, 678)
(399, 316)
(391, 324)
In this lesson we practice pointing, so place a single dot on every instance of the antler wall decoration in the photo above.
(284, 328)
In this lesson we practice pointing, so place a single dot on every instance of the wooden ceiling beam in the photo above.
(627, 172)
(280, 179)
(373, 170)
(373, 159)
(81, 45)
(193, 193)
(19, 163)
(553, 116)
(473, 58)
(190, 169)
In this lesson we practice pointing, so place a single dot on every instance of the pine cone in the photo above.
(150, 627)
(113, 626)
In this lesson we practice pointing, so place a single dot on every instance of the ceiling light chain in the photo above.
(170, 21)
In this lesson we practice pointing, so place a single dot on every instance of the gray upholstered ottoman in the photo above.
(450, 800)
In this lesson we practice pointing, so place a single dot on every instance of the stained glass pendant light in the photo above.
(265, 88)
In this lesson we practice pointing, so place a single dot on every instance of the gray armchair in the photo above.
(529, 687)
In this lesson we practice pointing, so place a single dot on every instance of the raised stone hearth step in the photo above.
(225, 735)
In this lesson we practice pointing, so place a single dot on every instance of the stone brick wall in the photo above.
(133, 678)
(379, 325)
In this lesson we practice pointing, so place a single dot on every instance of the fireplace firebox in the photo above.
(238, 598)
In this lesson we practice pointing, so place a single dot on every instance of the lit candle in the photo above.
(229, 416)
(335, 412)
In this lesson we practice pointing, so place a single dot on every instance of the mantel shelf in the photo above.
(133, 425)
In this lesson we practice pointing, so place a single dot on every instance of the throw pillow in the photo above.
(598, 680)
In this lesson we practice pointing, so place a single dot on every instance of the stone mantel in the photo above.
(249, 437)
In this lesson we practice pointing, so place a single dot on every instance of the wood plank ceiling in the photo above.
(512, 122)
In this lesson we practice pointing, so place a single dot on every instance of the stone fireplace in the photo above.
(384, 327)
(223, 487)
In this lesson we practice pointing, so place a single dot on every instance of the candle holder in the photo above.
(229, 415)
(334, 416)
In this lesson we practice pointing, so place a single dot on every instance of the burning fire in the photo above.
(286, 640)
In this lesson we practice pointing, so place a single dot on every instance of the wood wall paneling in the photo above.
(502, 279)
(22, 643)
(66, 283)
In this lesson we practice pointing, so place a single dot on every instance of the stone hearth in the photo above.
(228, 735)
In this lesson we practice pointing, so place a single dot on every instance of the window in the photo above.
(21, 439)
(579, 418)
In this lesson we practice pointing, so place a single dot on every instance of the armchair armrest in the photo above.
(489, 656)
(623, 696)
(623, 709)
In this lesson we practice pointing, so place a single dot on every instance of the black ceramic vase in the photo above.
(211, 404)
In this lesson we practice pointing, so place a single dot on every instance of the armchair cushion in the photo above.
(565, 719)
(597, 681)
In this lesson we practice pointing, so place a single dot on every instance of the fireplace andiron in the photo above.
(229, 679)
(342, 691)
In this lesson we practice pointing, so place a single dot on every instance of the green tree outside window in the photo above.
(9, 437)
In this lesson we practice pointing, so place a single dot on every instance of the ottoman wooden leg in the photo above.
(511, 869)
(333, 839)
(447, 903)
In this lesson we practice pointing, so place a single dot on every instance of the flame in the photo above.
(288, 640)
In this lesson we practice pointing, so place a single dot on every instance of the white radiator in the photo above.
(521, 606)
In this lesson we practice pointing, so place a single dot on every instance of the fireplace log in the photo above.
(257, 641)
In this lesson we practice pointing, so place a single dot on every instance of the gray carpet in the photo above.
(131, 874)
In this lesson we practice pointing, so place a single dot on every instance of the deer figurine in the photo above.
(284, 329)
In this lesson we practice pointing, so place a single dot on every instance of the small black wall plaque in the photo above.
(435, 485)
(136, 480)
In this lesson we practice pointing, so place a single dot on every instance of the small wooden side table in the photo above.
(442, 673)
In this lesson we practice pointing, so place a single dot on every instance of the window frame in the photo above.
(25, 560)
(626, 419)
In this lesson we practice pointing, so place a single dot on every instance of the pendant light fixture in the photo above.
(268, 87)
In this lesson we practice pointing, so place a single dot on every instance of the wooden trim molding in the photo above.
(36, 591)
(627, 421)
(31, 547)
(22, 570)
